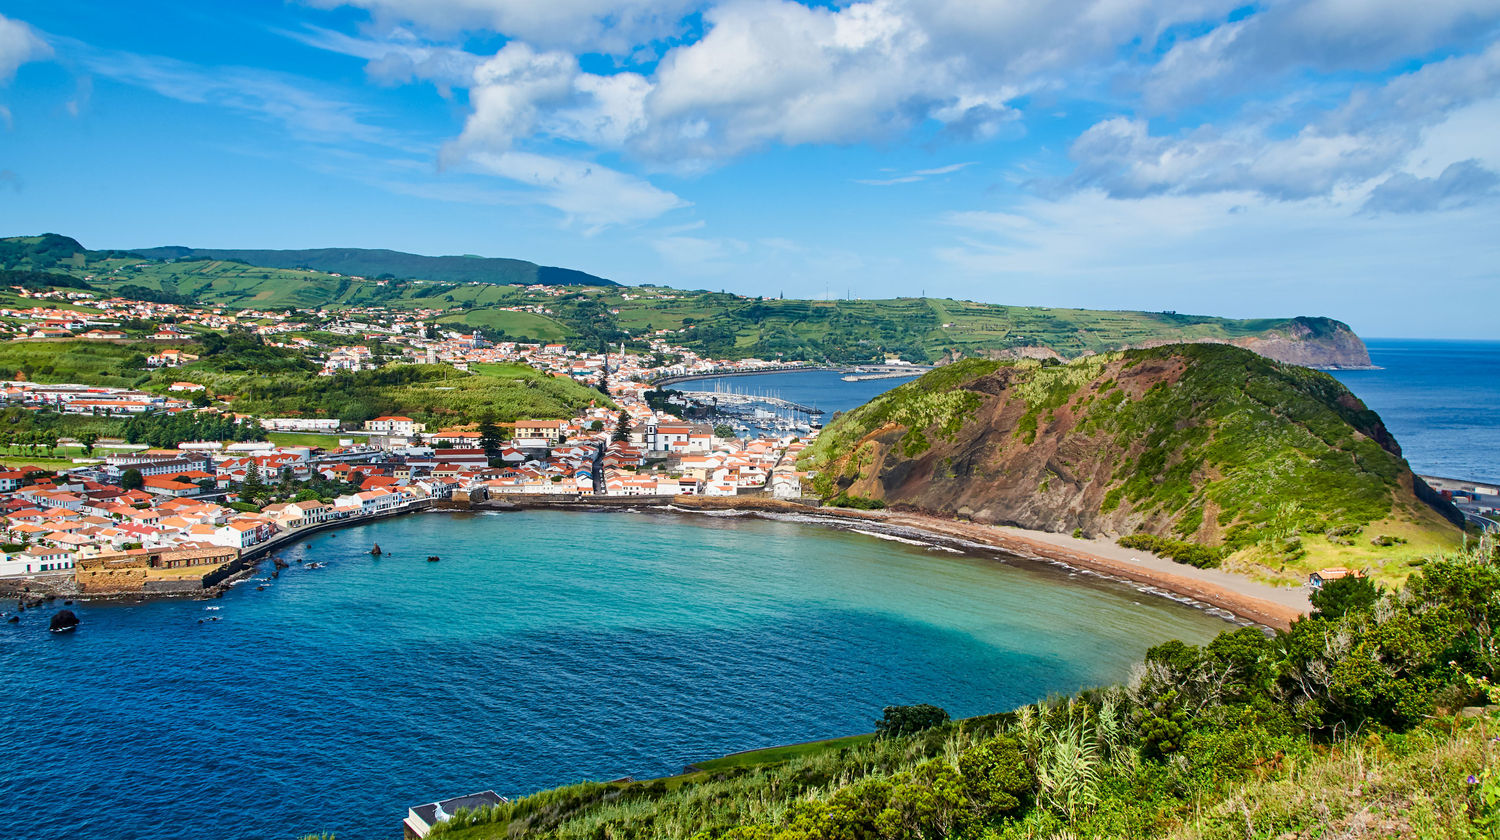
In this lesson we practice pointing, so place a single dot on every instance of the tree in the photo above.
(908, 720)
(490, 437)
(200, 398)
(622, 427)
(1337, 597)
(252, 487)
(88, 439)
(131, 479)
(724, 430)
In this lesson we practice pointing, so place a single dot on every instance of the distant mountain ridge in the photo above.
(379, 262)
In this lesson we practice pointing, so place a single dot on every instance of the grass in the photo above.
(313, 439)
(13, 461)
(1394, 787)
(778, 755)
(527, 324)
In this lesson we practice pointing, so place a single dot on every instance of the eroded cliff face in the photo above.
(1203, 442)
(1320, 343)
(1301, 344)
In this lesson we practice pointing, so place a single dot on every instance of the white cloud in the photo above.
(1365, 137)
(398, 57)
(1462, 184)
(610, 26)
(914, 177)
(19, 44)
(594, 195)
(1321, 35)
(276, 97)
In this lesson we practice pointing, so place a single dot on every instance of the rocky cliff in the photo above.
(1201, 442)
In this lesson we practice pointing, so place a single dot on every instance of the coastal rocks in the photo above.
(64, 621)
(433, 558)
(375, 552)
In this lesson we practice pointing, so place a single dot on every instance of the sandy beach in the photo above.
(1251, 600)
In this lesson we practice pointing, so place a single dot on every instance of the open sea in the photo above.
(545, 647)
(1441, 399)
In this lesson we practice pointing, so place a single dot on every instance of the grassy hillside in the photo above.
(712, 323)
(1344, 726)
(272, 382)
(1276, 467)
(379, 262)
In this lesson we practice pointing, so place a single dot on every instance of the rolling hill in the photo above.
(382, 263)
(715, 324)
(1275, 467)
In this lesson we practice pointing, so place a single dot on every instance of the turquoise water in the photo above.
(545, 647)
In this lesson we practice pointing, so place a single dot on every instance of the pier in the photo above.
(735, 398)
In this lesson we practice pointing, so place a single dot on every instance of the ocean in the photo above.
(542, 649)
(1441, 399)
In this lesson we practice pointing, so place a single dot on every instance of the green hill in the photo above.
(1276, 467)
(714, 324)
(382, 263)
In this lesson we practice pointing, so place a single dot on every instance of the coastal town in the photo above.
(132, 519)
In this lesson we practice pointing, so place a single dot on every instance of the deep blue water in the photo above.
(544, 648)
(1441, 399)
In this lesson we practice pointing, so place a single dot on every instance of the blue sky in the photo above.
(1332, 157)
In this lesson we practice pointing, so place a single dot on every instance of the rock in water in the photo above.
(63, 621)
(432, 558)
(376, 550)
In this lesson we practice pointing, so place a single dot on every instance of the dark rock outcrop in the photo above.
(63, 621)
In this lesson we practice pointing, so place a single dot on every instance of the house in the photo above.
(185, 386)
(1322, 576)
(103, 335)
(242, 533)
(421, 819)
(394, 425)
(548, 430)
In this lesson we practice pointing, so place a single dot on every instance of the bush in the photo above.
(1193, 554)
(844, 500)
(909, 720)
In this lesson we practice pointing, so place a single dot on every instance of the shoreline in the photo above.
(1242, 598)
(1245, 599)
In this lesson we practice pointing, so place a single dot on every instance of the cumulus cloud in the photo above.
(1364, 137)
(1321, 35)
(1460, 185)
(19, 43)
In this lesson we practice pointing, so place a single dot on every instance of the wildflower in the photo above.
(1473, 779)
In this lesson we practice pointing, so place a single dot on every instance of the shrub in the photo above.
(908, 720)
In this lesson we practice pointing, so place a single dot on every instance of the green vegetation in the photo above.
(486, 294)
(1216, 453)
(378, 263)
(1341, 726)
(431, 393)
(86, 362)
(1193, 554)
